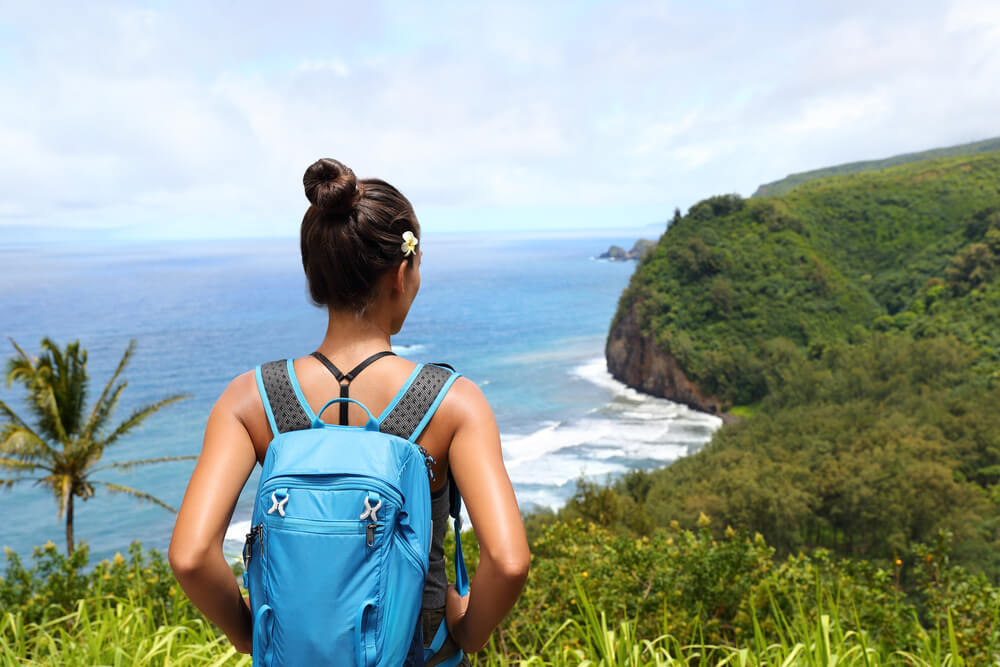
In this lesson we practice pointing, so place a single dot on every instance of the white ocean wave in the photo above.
(232, 543)
(237, 531)
(407, 349)
(650, 407)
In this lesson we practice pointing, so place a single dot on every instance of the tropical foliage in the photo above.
(594, 597)
(62, 450)
(855, 325)
(905, 249)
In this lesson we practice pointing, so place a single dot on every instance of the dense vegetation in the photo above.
(794, 180)
(671, 597)
(855, 324)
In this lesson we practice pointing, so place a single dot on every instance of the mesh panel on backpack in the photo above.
(288, 412)
(413, 405)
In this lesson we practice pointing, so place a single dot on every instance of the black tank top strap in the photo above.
(329, 365)
(345, 378)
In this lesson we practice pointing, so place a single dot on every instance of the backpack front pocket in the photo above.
(314, 571)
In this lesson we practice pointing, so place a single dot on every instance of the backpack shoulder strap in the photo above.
(281, 401)
(418, 402)
(455, 510)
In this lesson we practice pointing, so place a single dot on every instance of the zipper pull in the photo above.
(370, 514)
(248, 547)
(256, 533)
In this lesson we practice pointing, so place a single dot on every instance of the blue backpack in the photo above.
(338, 548)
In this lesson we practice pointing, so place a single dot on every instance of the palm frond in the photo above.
(129, 465)
(14, 464)
(12, 416)
(22, 369)
(139, 495)
(20, 441)
(43, 400)
(99, 420)
(7, 483)
(109, 397)
(139, 416)
(68, 382)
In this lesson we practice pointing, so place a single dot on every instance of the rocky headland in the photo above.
(637, 361)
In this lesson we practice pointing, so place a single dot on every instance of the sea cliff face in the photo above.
(637, 361)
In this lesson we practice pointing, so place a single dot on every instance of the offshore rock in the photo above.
(637, 361)
(617, 253)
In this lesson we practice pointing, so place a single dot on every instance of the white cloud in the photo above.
(842, 111)
(194, 120)
(332, 65)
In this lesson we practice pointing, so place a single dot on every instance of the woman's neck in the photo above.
(353, 338)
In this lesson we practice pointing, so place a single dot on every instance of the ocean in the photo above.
(524, 316)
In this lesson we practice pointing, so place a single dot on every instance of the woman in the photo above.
(361, 254)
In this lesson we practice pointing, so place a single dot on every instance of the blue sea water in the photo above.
(523, 316)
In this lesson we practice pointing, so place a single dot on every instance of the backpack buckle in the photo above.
(278, 504)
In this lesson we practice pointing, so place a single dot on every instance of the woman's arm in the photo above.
(226, 461)
(477, 464)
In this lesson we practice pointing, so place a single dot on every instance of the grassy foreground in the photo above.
(677, 597)
(121, 631)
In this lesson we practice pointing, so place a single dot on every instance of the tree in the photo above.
(61, 451)
(970, 267)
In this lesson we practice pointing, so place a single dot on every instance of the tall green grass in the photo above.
(112, 631)
(805, 640)
(708, 602)
(121, 631)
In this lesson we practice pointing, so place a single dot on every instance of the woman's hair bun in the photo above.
(330, 186)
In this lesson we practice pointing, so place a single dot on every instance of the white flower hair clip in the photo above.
(409, 243)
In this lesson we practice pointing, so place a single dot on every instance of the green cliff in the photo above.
(833, 259)
(855, 323)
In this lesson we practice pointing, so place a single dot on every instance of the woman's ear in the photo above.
(399, 279)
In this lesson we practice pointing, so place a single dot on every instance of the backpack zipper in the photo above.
(370, 483)
(337, 527)
(256, 533)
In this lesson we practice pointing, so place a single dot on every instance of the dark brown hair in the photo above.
(351, 234)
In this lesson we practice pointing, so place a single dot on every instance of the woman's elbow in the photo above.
(514, 570)
(184, 560)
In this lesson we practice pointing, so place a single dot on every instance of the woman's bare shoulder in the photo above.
(467, 392)
(241, 390)
(465, 401)
(242, 399)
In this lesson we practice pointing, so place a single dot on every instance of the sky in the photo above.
(172, 120)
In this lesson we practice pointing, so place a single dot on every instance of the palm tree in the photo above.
(63, 448)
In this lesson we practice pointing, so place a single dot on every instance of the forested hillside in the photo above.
(855, 324)
(794, 180)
